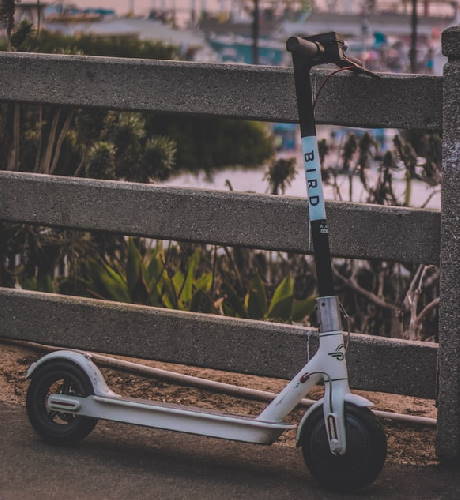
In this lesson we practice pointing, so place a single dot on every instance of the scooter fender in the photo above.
(348, 398)
(83, 361)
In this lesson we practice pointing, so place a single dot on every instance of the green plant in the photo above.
(387, 298)
(210, 143)
(101, 161)
(147, 278)
(7, 9)
(280, 174)
(183, 277)
(283, 306)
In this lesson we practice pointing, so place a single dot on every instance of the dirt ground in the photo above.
(407, 444)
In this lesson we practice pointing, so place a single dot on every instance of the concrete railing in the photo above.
(241, 219)
(234, 91)
(224, 218)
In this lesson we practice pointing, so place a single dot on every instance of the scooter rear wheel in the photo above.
(363, 459)
(58, 377)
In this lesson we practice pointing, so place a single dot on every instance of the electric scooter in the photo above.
(343, 444)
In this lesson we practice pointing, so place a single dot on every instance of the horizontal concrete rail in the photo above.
(245, 346)
(236, 91)
(224, 218)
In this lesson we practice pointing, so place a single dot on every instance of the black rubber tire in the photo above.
(74, 428)
(363, 459)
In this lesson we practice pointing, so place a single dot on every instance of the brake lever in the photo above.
(356, 66)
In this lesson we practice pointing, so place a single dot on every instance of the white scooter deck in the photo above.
(171, 417)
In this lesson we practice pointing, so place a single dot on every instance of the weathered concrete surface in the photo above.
(237, 91)
(240, 219)
(116, 462)
(449, 320)
(451, 42)
(245, 346)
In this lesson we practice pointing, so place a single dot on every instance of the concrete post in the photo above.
(448, 442)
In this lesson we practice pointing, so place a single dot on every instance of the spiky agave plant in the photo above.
(7, 8)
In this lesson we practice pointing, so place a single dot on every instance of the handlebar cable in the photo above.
(349, 68)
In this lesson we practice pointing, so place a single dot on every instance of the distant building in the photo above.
(352, 25)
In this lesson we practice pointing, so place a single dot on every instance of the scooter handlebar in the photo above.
(302, 47)
(324, 48)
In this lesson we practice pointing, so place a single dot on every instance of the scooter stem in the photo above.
(317, 213)
(328, 311)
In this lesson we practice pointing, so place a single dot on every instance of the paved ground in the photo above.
(125, 462)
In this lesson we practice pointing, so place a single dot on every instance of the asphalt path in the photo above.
(126, 462)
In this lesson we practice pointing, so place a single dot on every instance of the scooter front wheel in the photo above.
(58, 377)
(364, 456)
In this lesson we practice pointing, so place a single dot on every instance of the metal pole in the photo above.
(255, 32)
(413, 38)
(193, 12)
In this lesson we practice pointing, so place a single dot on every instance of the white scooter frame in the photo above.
(328, 364)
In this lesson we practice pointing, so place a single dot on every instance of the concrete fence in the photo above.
(242, 219)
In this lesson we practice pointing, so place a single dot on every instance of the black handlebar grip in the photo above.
(302, 47)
